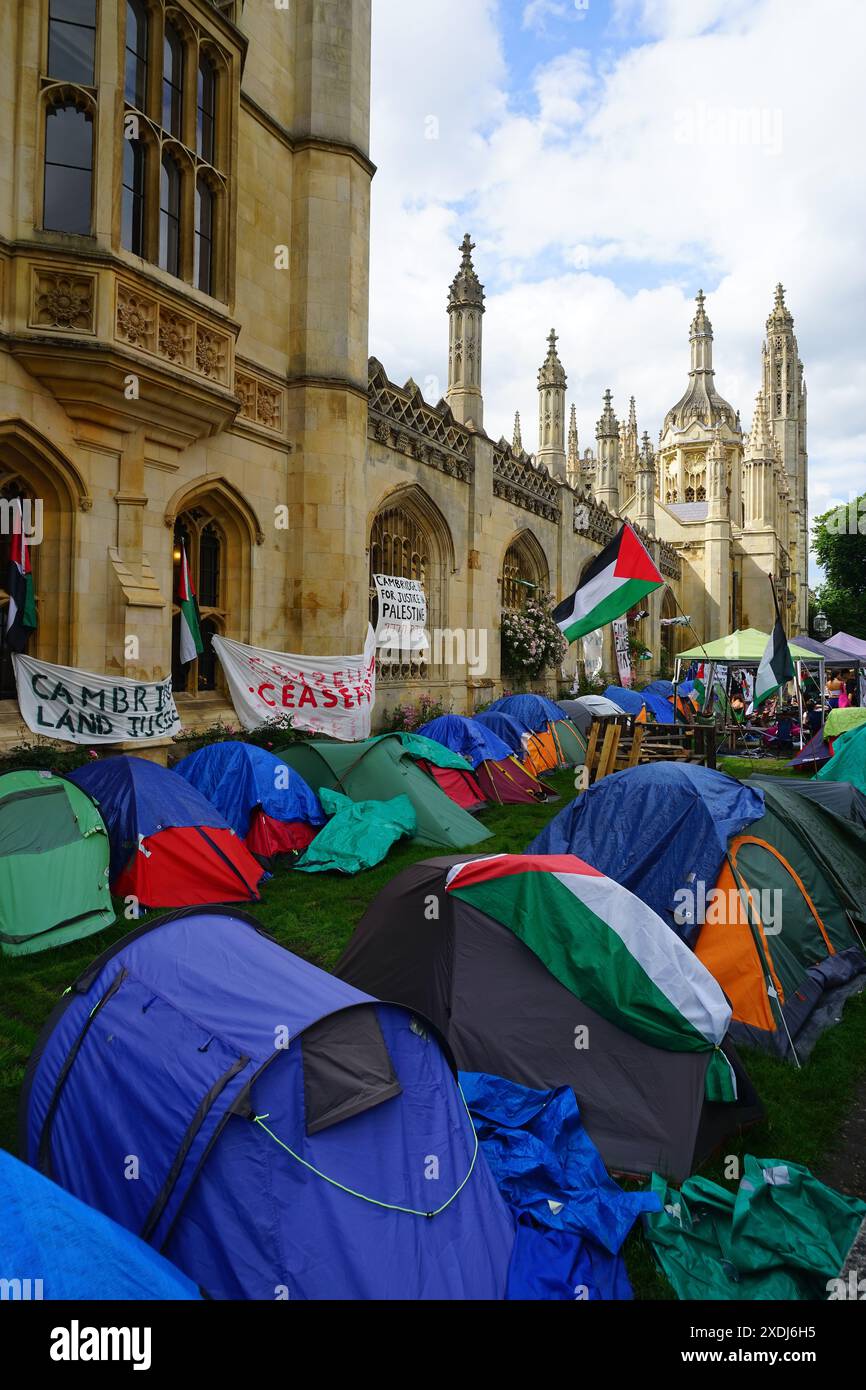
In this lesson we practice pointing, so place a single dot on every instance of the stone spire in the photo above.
(517, 437)
(607, 469)
(717, 478)
(552, 382)
(630, 449)
(645, 486)
(572, 466)
(701, 337)
(465, 315)
(784, 393)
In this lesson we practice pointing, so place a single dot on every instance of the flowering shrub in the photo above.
(407, 718)
(531, 641)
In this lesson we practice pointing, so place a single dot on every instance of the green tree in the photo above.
(839, 543)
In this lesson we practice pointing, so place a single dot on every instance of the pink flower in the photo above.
(92, 753)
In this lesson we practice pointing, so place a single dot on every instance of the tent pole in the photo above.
(798, 668)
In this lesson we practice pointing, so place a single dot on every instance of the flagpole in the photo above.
(694, 630)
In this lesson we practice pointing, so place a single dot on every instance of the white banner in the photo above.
(402, 625)
(78, 707)
(593, 652)
(623, 655)
(331, 695)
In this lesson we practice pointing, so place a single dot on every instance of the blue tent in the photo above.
(633, 701)
(505, 727)
(660, 687)
(68, 1251)
(654, 828)
(535, 712)
(296, 1138)
(238, 777)
(138, 798)
(468, 737)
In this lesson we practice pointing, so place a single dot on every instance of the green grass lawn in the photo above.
(314, 915)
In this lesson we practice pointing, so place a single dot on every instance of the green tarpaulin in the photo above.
(359, 835)
(782, 1234)
(844, 721)
(53, 864)
(382, 768)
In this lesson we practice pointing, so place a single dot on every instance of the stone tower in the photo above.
(465, 319)
(784, 391)
(607, 467)
(552, 382)
(717, 564)
(759, 472)
(645, 487)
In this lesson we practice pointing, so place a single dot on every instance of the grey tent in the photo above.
(841, 798)
(503, 1011)
(584, 708)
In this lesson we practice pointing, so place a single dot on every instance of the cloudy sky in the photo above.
(610, 158)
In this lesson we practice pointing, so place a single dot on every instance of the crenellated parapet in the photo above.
(518, 480)
(400, 418)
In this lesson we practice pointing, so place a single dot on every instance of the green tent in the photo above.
(746, 645)
(378, 770)
(848, 763)
(53, 864)
(359, 834)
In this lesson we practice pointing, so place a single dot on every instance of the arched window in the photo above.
(408, 540)
(132, 226)
(206, 109)
(169, 216)
(136, 54)
(68, 170)
(524, 572)
(72, 40)
(204, 219)
(10, 489)
(203, 541)
(172, 82)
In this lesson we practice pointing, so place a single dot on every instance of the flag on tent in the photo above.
(776, 665)
(608, 948)
(191, 644)
(622, 575)
(21, 613)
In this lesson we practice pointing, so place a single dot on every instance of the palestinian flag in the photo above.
(608, 948)
(622, 575)
(191, 644)
(776, 666)
(21, 613)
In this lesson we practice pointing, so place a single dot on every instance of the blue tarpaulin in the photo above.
(533, 711)
(572, 1218)
(73, 1251)
(137, 798)
(655, 828)
(208, 1024)
(468, 737)
(506, 727)
(660, 687)
(237, 777)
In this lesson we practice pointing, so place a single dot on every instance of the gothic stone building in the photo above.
(184, 241)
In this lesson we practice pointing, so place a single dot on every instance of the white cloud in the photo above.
(722, 149)
(537, 12)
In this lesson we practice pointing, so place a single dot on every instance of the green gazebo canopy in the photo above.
(746, 646)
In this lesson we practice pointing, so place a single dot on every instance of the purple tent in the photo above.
(854, 646)
(830, 653)
(814, 754)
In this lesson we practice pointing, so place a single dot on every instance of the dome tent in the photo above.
(550, 740)
(264, 801)
(79, 1253)
(169, 846)
(499, 775)
(525, 954)
(53, 864)
(254, 1073)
